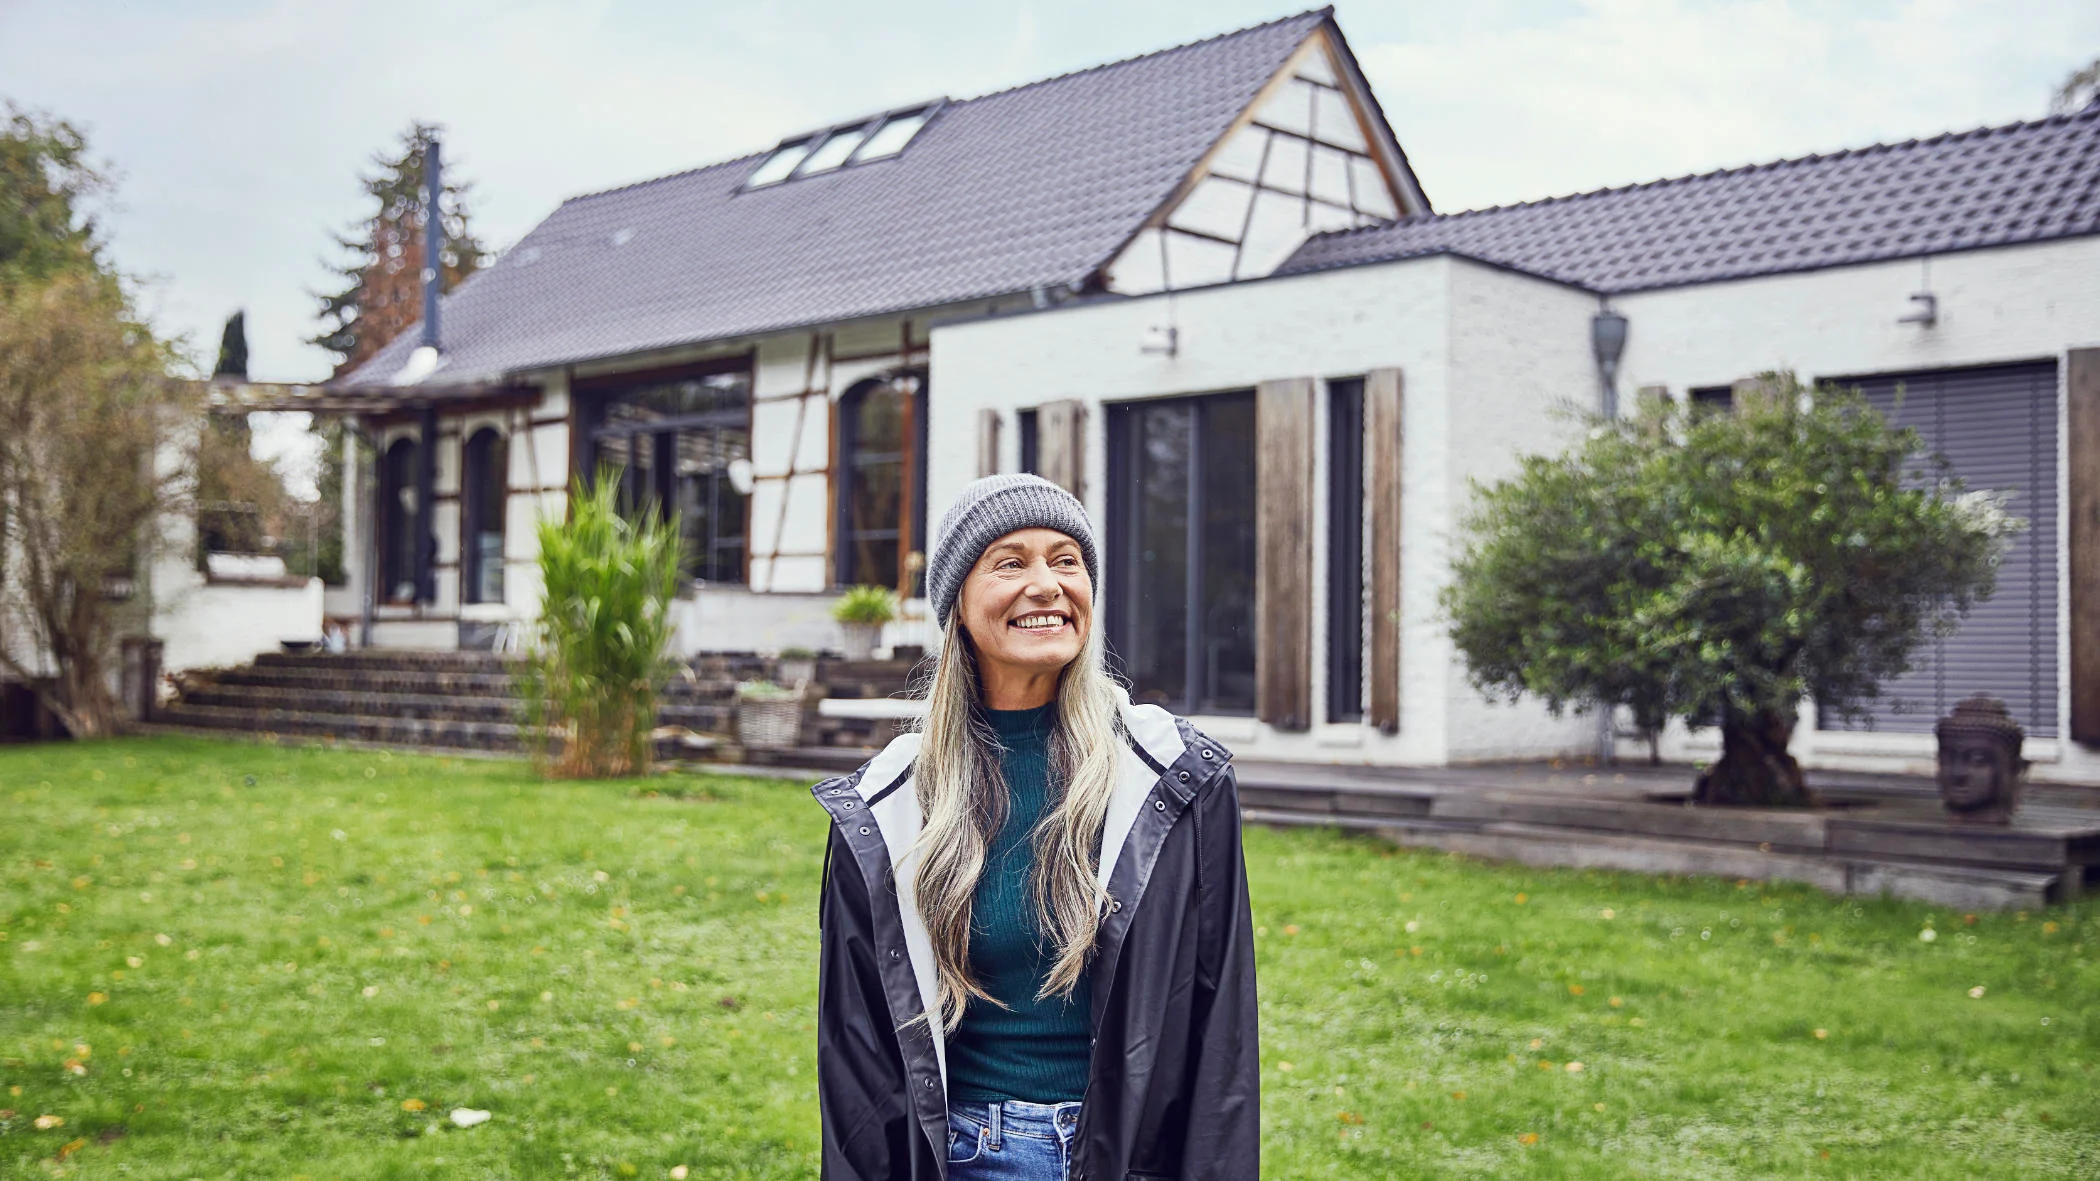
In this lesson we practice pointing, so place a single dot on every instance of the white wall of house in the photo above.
(223, 624)
(1483, 354)
(217, 623)
(1521, 370)
(2016, 303)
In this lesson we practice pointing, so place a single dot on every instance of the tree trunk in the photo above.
(88, 710)
(1755, 769)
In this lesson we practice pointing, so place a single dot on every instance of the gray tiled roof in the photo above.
(1029, 187)
(1993, 187)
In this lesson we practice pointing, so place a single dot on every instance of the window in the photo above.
(833, 152)
(1027, 422)
(1997, 427)
(1716, 399)
(859, 142)
(1181, 532)
(778, 165)
(894, 134)
(397, 522)
(1345, 550)
(485, 489)
(882, 485)
(682, 445)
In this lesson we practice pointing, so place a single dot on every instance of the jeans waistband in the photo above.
(1019, 1117)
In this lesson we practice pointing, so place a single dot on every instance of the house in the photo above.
(1203, 289)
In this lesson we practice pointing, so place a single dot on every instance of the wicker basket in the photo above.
(769, 724)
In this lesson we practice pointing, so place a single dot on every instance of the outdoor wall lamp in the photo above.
(1607, 343)
(1924, 310)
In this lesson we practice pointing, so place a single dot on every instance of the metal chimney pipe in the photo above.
(433, 242)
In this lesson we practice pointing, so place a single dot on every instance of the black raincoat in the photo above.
(1173, 1082)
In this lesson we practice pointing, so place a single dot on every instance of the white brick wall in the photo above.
(2032, 302)
(1488, 357)
(1472, 376)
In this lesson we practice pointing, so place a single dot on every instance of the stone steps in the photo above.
(507, 737)
(463, 700)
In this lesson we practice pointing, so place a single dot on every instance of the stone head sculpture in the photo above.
(1980, 764)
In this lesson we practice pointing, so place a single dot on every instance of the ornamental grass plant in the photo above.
(599, 659)
(872, 605)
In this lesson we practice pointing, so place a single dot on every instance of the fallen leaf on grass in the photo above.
(45, 1123)
(467, 1117)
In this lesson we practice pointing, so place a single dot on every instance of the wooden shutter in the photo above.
(1284, 421)
(987, 442)
(1382, 426)
(1061, 444)
(2082, 389)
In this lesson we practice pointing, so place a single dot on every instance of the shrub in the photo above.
(865, 604)
(598, 660)
(1721, 567)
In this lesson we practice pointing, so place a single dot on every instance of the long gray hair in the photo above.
(963, 798)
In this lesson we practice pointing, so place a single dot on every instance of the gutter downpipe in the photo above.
(360, 444)
(426, 421)
(1607, 345)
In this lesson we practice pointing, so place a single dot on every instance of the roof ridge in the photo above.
(1326, 12)
(2089, 112)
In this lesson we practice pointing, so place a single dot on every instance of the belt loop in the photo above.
(997, 1108)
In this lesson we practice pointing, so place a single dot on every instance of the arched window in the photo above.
(882, 485)
(484, 488)
(397, 522)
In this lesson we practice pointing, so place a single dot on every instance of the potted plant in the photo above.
(861, 612)
(798, 666)
(768, 715)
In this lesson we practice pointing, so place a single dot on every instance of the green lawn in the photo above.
(220, 960)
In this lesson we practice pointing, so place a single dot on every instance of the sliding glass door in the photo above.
(1181, 546)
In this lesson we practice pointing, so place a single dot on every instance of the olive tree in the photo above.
(1718, 567)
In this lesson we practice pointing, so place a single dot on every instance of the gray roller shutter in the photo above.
(1997, 427)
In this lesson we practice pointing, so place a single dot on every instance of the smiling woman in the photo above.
(1062, 1029)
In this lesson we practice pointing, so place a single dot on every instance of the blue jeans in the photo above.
(1010, 1141)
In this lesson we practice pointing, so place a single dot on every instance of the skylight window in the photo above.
(869, 140)
(779, 164)
(892, 136)
(834, 151)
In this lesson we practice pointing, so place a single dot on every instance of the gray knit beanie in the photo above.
(989, 509)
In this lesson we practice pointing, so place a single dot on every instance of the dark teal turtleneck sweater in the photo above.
(1034, 1051)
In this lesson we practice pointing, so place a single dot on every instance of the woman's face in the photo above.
(1027, 603)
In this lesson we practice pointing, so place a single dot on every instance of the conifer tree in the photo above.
(233, 348)
(382, 278)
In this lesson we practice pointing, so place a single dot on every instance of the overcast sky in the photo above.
(237, 129)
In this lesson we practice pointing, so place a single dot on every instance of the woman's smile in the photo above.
(1041, 622)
